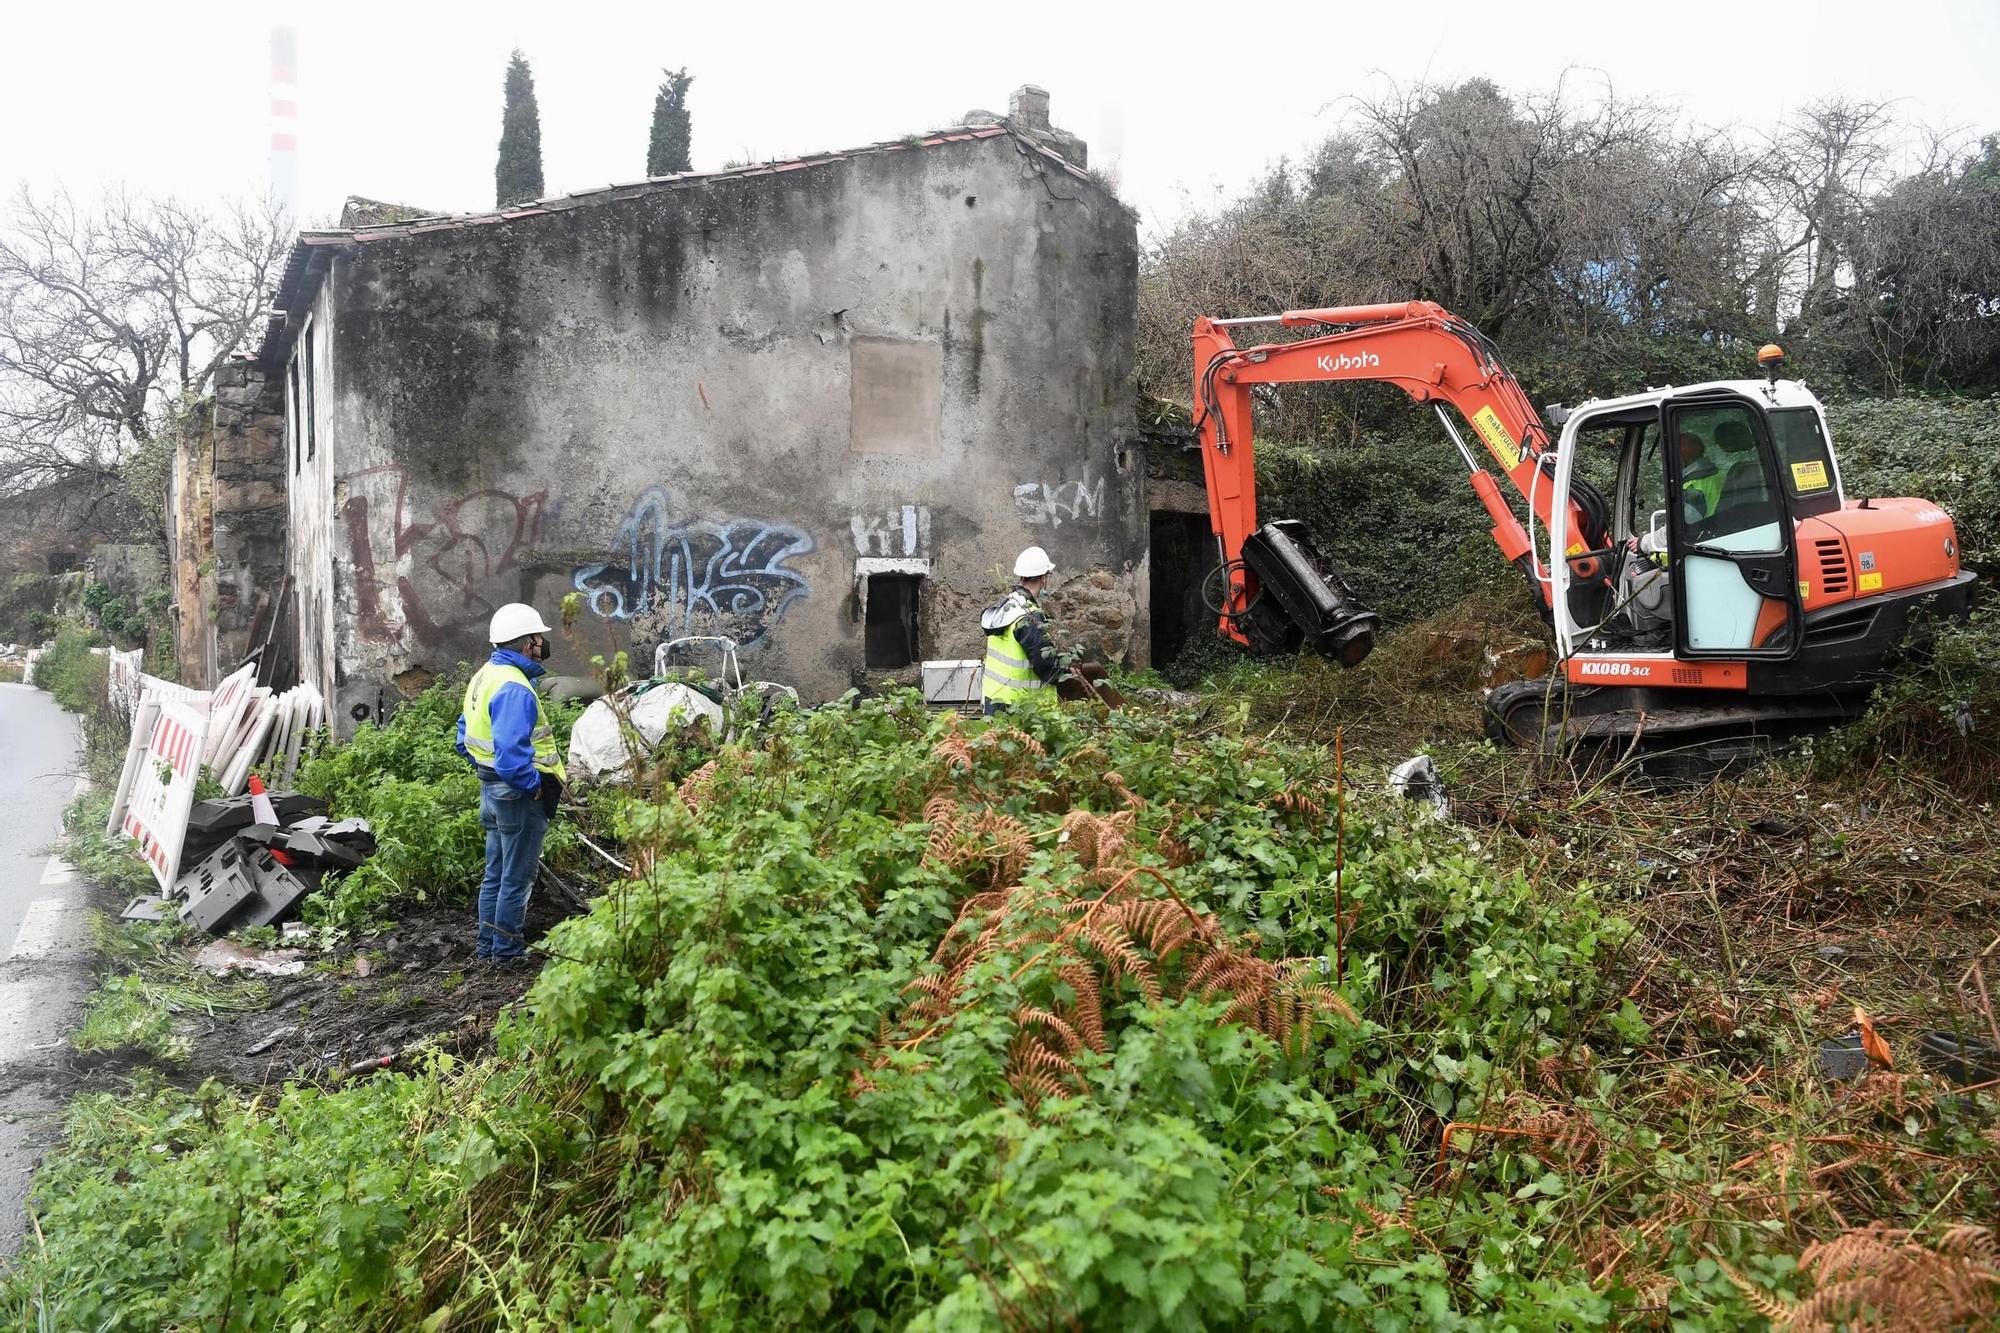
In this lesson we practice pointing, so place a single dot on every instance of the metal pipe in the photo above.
(1470, 462)
(1247, 319)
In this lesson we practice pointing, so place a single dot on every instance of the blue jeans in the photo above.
(514, 824)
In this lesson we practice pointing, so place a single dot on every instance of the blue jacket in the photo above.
(514, 711)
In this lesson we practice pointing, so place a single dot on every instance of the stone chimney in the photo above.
(1028, 116)
(1028, 108)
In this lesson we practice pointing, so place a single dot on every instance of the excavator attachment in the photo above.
(1302, 600)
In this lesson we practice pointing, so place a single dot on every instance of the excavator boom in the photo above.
(1421, 348)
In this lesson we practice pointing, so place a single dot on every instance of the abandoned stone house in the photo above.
(817, 405)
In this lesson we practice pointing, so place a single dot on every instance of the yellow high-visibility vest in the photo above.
(1008, 677)
(478, 712)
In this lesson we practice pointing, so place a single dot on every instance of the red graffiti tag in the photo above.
(458, 557)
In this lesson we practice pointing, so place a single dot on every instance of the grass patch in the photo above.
(151, 983)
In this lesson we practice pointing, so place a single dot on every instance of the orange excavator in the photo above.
(1693, 551)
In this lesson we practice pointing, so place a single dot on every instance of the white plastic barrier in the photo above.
(158, 786)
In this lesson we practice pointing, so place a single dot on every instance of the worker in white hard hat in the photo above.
(1021, 662)
(504, 732)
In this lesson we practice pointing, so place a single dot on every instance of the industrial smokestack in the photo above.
(284, 118)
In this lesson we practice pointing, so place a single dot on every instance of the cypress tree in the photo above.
(673, 133)
(517, 176)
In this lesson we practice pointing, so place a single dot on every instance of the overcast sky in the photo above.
(1185, 105)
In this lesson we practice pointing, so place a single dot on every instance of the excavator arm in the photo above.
(1429, 353)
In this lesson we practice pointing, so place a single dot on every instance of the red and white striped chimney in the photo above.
(284, 117)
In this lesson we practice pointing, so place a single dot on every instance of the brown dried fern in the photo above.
(1881, 1277)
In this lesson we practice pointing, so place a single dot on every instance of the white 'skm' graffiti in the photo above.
(1039, 503)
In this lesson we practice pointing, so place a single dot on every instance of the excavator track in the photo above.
(1551, 716)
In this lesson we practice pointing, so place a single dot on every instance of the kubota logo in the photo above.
(1359, 361)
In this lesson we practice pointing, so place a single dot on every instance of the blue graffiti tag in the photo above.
(682, 573)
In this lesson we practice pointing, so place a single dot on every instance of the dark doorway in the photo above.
(891, 630)
(1183, 555)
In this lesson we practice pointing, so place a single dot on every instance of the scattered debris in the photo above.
(647, 710)
(1841, 1058)
(250, 872)
(221, 957)
(1960, 1059)
(277, 1035)
(1417, 779)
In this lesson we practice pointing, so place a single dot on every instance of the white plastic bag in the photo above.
(597, 742)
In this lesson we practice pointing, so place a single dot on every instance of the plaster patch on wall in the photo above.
(897, 396)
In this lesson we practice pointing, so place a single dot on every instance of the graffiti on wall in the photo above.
(1040, 503)
(904, 530)
(731, 576)
(427, 576)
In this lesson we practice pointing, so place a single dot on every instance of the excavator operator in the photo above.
(1022, 664)
(1701, 480)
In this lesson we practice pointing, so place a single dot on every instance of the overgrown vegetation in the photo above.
(1142, 1020)
(72, 672)
(422, 800)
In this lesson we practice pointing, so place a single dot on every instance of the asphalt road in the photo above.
(44, 961)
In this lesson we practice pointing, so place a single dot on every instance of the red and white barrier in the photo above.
(160, 791)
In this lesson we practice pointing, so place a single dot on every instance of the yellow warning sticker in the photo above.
(1809, 476)
(1870, 582)
(1805, 590)
(1577, 548)
(1487, 422)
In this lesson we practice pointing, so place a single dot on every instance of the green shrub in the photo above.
(422, 800)
(1942, 449)
(77, 677)
(727, 1106)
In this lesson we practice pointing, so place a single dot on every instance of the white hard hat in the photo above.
(1033, 563)
(512, 621)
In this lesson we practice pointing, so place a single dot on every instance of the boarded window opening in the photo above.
(891, 629)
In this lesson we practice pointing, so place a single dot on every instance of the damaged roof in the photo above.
(313, 251)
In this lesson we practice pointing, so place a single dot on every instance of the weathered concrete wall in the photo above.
(699, 409)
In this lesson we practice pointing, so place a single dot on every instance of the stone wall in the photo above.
(723, 408)
(230, 525)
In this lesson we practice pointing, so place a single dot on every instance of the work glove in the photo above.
(549, 793)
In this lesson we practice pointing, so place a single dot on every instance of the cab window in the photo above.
(1804, 461)
(1723, 487)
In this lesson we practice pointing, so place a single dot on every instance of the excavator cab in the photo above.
(1698, 553)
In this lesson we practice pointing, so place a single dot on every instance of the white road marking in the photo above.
(43, 929)
(17, 1011)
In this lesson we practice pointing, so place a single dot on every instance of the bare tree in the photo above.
(110, 317)
(1817, 175)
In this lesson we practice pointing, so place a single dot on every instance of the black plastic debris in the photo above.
(216, 888)
(252, 874)
(278, 890)
(1960, 1059)
(1842, 1058)
(147, 907)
